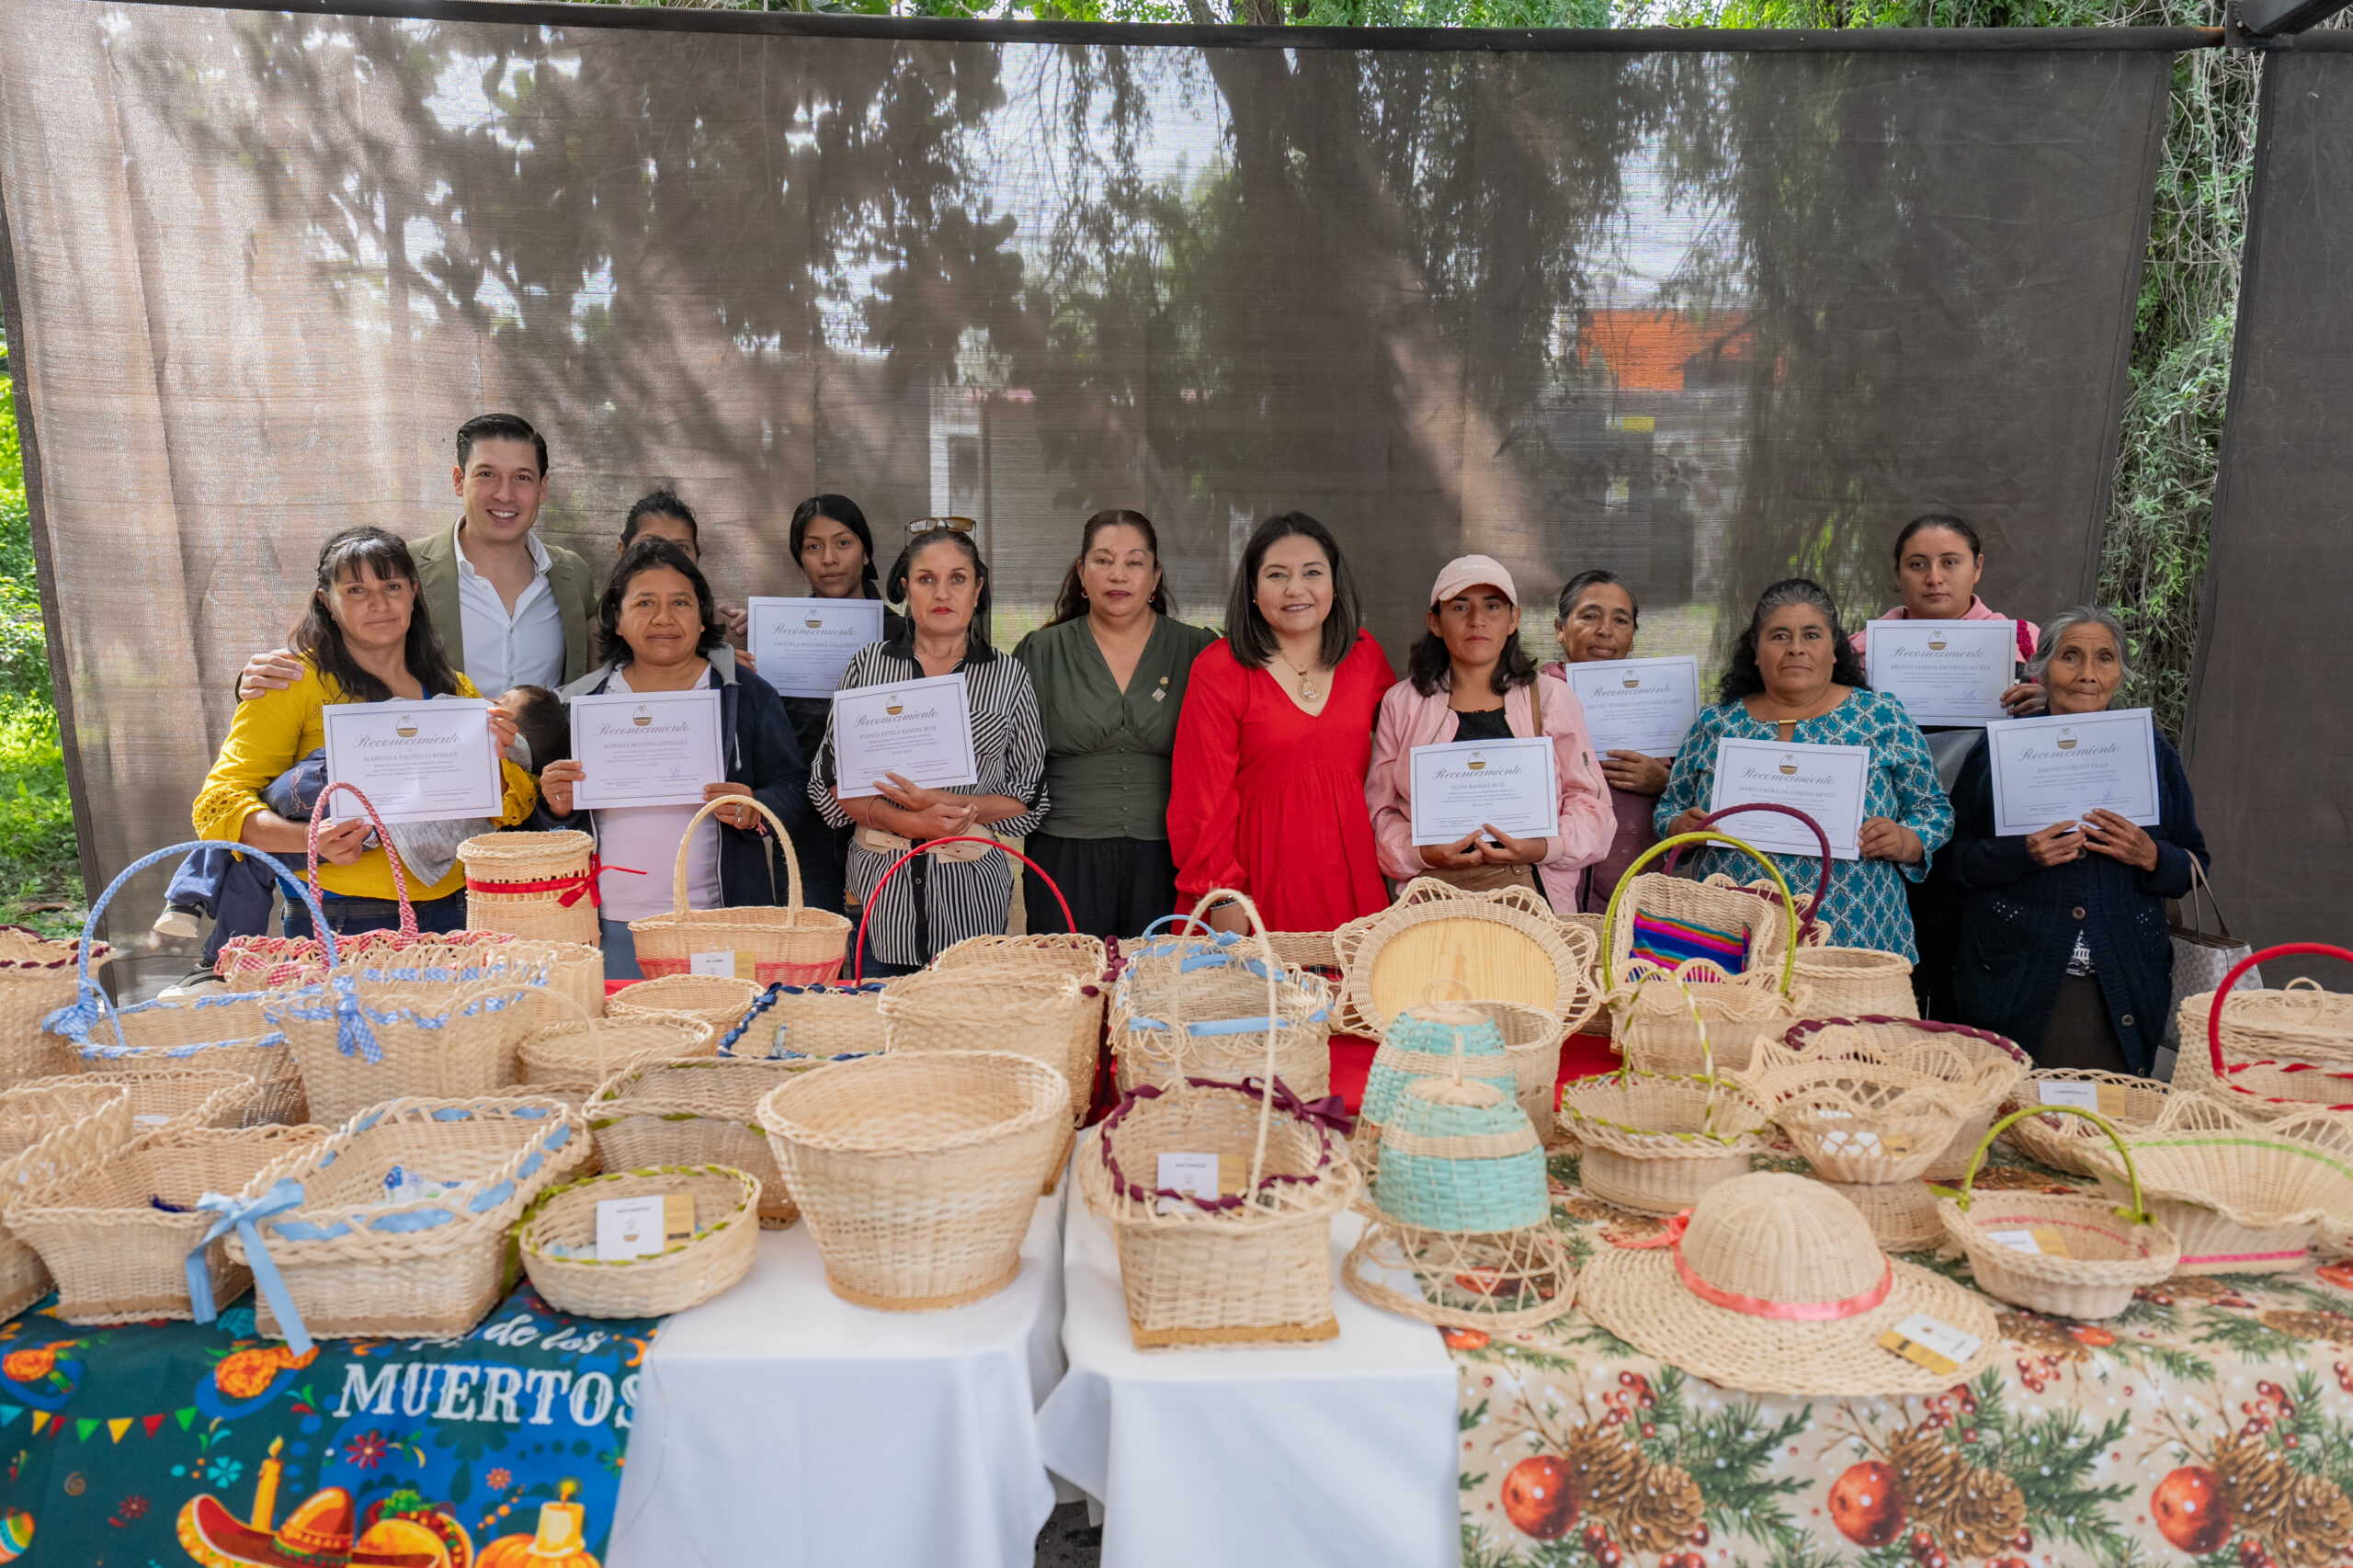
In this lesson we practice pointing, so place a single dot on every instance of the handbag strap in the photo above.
(2188, 906)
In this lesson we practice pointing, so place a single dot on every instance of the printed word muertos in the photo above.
(1827, 783)
(1461, 787)
(1944, 671)
(427, 761)
(2062, 767)
(920, 730)
(1637, 705)
(801, 646)
(654, 748)
(178, 1441)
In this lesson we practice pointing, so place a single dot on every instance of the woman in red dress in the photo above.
(1267, 792)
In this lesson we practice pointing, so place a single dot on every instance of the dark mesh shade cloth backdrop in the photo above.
(2271, 721)
(1705, 318)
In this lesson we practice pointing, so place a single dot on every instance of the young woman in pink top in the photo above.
(1468, 679)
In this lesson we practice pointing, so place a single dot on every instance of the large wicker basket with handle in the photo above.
(1192, 1004)
(36, 976)
(1655, 1030)
(2270, 1053)
(2245, 1190)
(334, 1258)
(119, 1235)
(540, 886)
(791, 944)
(1248, 1267)
(438, 1033)
(558, 1238)
(46, 1134)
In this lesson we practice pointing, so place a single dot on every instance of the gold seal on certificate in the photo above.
(1827, 783)
(2062, 767)
(646, 748)
(427, 761)
(1944, 671)
(1466, 785)
(920, 730)
(1637, 705)
(801, 646)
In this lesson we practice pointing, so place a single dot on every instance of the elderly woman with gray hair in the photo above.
(2062, 944)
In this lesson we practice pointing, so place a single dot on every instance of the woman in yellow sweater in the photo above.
(365, 638)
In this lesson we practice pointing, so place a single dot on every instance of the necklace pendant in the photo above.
(1309, 689)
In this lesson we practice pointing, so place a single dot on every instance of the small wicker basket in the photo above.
(2059, 1141)
(2104, 1252)
(978, 1005)
(820, 1021)
(46, 1134)
(687, 1274)
(1851, 981)
(540, 886)
(700, 1110)
(567, 1060)
(205, 1034)
(1858, 1117)
(2245, 1192)
(37, 978)
(446, 1035)
(919, 1175)
(1989, 1068)
(709, 999)
(1196, 1000)
(345, 1263)
(118, 1254)
(793, 945)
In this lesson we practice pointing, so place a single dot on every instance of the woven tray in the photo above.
(698, 1111)
(1505, 946)
(685, 1274)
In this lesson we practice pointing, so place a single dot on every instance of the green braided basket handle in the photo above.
(1706, 836)
(2138, 1214)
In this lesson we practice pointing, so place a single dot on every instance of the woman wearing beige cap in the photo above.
(1468, 679)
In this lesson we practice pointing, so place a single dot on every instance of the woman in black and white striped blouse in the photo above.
(964, 889)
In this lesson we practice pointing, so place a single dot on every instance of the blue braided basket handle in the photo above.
(90, 1006)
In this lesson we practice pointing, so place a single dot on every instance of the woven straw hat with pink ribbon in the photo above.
(1772, 1284)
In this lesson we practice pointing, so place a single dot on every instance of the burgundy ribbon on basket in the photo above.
(1329, 1113)
(1757, 1306)
(571, 887)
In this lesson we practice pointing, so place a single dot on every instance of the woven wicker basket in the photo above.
(1858, 1117)
(2244, 1193)
(820, 1021)
(1655, 1029)
(1991, 1067)
(919, 1175)
(2105, 1254)
(698, 1111)
(2270, 1053)
(789, 945)
(570, 1060)
(1080, 959)
(1184, 998)
(45, 1134)
(687, 1274)
(2058, 1141)
(438, 1038)
(37, 978)
(355, 1267)
(205, 1034)
(576, 970)
(1532, 1039)
(117, 1255)
(1902, 1214)
(1251, 1268)
(706, 998)
(535, 885)
(1851, 981)
(1506, 945)
(978, 1005)
(186, 1101)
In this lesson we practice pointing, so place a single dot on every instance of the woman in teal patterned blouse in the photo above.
(1794, 677)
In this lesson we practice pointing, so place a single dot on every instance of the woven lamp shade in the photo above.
(1462, 1157)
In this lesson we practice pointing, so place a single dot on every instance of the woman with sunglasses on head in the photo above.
(1110, 671)
(959, 890)
(1267, 789)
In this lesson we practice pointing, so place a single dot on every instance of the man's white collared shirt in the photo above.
(506, 651)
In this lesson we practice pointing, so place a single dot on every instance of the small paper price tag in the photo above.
(1927, 1342)
(725, 965)
(632, 1227)
(1895, 1145)
(2044, 1238)
(677, 1218)
(150, 1119)
(1202, 1174)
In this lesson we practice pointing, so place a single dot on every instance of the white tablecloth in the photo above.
(1338, 1453)
(778, 1426)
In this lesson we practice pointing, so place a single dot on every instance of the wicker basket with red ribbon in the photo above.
(788, 944)
(2271, 1053)
(271, 962)
(538, 886)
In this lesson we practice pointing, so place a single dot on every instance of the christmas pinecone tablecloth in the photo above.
(2211, 1425)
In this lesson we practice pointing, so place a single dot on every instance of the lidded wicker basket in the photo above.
(2245, 1193)
(1436, 1039)
(1458, 1156)
(698, 1111)
(334, 1257)
(1984, 1068)
(709, 999)
(1197, 1001)
(2059, 1141)
(977, 1005)
(791, 944)
(540, 886)
(118, 1254)
(37, 978)
(1248, 1267)
(562, 1221)
(919, 1174)
(2068, 1255)
(46, 1134)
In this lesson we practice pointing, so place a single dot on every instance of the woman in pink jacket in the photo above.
(1468, 679)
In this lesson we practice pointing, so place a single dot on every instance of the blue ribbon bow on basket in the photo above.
(244, 1216)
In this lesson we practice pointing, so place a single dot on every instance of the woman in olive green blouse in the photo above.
(1110, 671)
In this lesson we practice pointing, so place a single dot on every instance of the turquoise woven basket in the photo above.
(1460, 1156)
(1419, 1046)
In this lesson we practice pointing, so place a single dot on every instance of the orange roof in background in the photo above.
(1646, 350)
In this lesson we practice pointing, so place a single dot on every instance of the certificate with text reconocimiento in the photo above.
(1638, 705)
(1463, 786)
(649, 748)
(2062, 767)
(1827, 783)
(1944, 671)
(801, 646)
(429, 761)
(920, 730)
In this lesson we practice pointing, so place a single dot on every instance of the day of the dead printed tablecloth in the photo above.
(2209, 1426)
(156, 1445)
